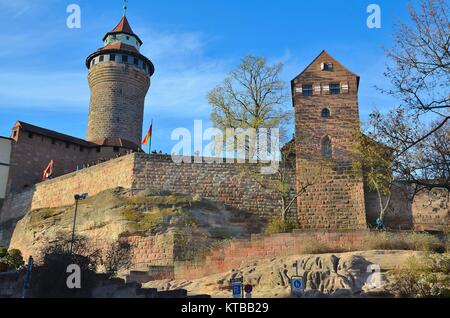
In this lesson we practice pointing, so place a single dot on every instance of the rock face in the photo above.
(147, 219)
(328, 275)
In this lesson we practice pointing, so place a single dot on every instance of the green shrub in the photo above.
(428, 276)
(221, 233)
(11, 259)
(3, 251)
(15, 259)
(277, 225)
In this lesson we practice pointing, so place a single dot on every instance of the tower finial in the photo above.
(125, 7)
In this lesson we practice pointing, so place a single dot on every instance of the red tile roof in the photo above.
(123, 26)
(120, 46)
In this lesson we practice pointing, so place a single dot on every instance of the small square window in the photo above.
(136, 61)
(14, 133)
(99, 149)
(335, 89)
(67, 145)
(128, 37)
(125, 58)
(30, 135)
(102, 58)
(307, 90)
(53, 141)
(112, 57)
(116, 149)
(327, 66)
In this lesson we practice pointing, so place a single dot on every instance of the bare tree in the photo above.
(117, 257)
(419, 71)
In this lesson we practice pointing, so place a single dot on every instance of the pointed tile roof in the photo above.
(123, 27)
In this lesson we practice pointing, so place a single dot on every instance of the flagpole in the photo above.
(150, 143)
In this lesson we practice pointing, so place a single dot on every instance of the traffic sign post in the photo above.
(297, 286)
(236, 287)
(248, 291)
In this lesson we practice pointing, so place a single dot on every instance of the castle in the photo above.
(325, 98)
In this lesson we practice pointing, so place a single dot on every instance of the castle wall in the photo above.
(224, 183)
(31, 153)
(230, 184)
(428, 211)
(60, 191)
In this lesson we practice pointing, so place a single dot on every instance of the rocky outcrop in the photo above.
(353, 274)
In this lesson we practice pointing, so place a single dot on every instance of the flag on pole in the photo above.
(148, 137)
(48, 171)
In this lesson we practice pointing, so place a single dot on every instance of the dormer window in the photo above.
(327, 67)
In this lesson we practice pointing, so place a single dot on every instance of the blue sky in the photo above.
(193, 44)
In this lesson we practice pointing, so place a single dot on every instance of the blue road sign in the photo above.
(236, 288)
(297, 285)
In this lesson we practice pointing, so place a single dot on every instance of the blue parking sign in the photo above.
(297, 285)
(236, 289)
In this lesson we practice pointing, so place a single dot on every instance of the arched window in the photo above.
(325, 113)
(327, 148)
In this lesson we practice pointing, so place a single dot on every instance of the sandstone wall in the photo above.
(31, 153)
(229, 184)
(428, 211)
(60, 191)
(237, 253)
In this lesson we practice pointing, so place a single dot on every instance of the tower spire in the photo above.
(125, 7)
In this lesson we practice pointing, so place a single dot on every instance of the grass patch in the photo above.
(315, 247)
(140, 221)
(404, 241)
(41, 215)
(162, 200)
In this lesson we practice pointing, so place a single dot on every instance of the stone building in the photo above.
(119, 78)
(325, 98)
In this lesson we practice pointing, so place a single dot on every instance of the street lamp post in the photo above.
(77, 197)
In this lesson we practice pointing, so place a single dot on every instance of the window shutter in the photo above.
(344, 87)
(317, 89)
(322, 66)
(326, 88)
(299, 90)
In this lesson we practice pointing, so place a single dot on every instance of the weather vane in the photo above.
(125, 7)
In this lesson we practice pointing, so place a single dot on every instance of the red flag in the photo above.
(48, 171)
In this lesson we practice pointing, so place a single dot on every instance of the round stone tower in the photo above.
(119, 78)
